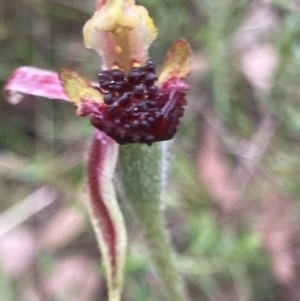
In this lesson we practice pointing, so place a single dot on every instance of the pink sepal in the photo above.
(106, 215)
(100, 3)
(175, 84)
(34, 81)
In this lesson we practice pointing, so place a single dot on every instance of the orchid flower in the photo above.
(129, 104)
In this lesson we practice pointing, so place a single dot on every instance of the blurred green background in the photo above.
(232, 203)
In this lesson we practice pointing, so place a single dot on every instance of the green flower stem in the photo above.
(140, 173)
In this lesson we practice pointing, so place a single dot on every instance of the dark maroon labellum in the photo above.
(135, 110)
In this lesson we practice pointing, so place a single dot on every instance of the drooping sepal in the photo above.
(106, 216)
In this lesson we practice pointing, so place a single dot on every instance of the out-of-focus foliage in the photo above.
(232, 202)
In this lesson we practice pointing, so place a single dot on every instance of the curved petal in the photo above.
(121, 32)
(106, 215)
(177, 62)
(33, 81)
(78, 88)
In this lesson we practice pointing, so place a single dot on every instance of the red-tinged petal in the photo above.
(174, 84)
(106, 216)
(100, 3)
(78, 88)
(177, 62)
(33, 81)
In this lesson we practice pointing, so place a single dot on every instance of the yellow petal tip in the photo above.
(177, 62)
(78, 88)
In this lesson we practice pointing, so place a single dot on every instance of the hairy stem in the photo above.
(140, 173)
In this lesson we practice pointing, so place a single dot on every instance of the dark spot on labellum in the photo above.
(124, 98)
(150, 138)
(118, 86)
(135, 75)
(135, 110)
(135, 124)
(150, 78)
(152, 103)
(152, 91)
(129, 111)
(150, 119)
(112, 110)
(117, 74)
(142, 106)
(105, 85)
(136, 137)
(104, 76)
(145, 124)
(108, 98)
(138, 91)
(149, 66)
